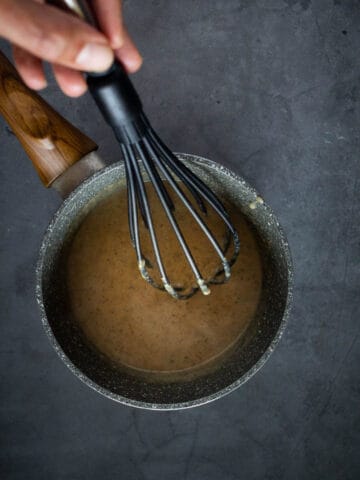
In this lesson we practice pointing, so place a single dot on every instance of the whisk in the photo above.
(121, 107)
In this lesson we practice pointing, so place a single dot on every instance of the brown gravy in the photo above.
(138, 326)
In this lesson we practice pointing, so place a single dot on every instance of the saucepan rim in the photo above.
(142, 404)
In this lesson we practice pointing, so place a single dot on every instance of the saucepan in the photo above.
(66, 160)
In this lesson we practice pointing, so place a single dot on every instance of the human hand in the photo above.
(42, 32)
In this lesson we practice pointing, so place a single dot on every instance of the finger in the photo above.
(70, 81)
(30, 68)
(55, 36)
(109, 15)
(129, 55)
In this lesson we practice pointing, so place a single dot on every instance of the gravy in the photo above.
(140, 327)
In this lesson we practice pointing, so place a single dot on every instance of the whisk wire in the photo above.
(132, 202)
(150, 226)
(157, 182)
(210, 196)
(160, 163)
(186, 175)
(130, 195)
(153, 173)
(157, 145)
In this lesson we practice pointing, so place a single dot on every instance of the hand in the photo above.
(42, 32)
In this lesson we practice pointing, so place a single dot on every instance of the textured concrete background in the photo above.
(271, 89)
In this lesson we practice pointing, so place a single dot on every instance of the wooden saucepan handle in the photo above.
(51, 142)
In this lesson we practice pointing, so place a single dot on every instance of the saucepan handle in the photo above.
(52, 143)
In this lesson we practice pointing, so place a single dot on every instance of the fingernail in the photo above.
(133, 63)
(95, 58)
(37, 84)
(117, 41)
(75, 90)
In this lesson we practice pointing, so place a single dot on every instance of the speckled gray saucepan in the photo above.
(246, 358)
(65, 159)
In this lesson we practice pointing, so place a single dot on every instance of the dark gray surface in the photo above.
(271, 89)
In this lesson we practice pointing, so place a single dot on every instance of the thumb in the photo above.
(55, 36)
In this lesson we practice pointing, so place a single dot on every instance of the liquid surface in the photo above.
(140, 327)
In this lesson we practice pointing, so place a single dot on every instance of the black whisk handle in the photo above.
(116, 96)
